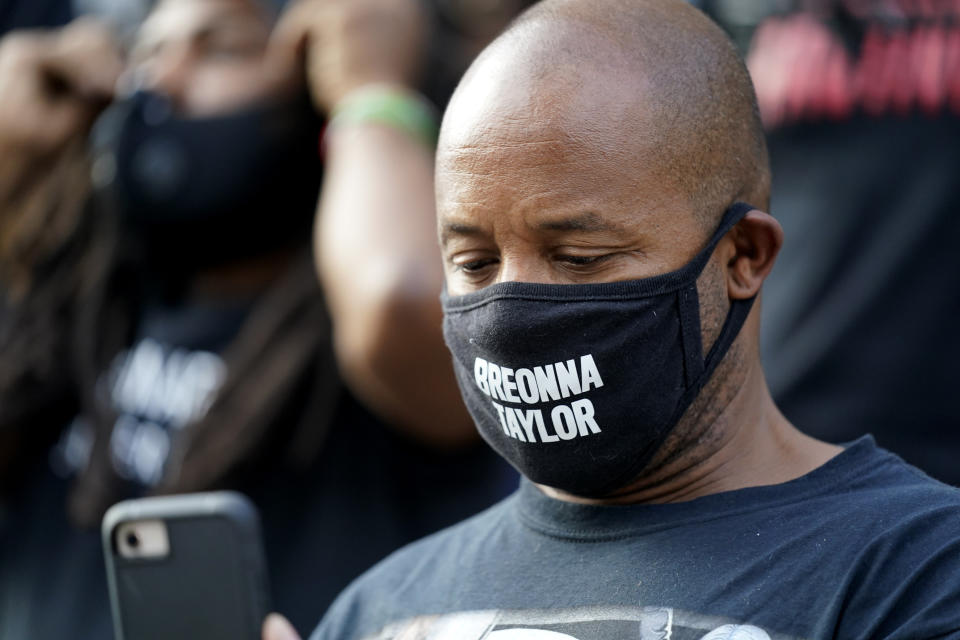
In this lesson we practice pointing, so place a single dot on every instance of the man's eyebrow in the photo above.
(458, 229)
(587, 222)
(582, 222)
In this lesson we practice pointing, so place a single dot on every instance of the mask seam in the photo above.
(562, 298)
(688, 307)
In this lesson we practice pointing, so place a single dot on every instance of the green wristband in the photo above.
(397, 108)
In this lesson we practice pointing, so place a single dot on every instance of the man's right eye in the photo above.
(475, 266)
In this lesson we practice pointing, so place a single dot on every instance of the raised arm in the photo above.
(375, 233)
(52, 86)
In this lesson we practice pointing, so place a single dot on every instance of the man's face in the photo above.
(208, 56)
(546, 189)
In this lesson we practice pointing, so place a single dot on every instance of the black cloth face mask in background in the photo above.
(204, 191)
(577, 386)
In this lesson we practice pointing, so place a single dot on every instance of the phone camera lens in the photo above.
(133, 541)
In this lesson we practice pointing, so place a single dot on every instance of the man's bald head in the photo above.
(654, 84)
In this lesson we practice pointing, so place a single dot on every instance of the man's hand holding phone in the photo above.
(276, 627)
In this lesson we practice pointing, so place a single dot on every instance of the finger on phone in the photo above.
(276, 627)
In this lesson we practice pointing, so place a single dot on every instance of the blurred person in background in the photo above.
(161, 324)
(861, 100)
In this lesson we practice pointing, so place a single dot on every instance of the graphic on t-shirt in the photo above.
(528, 634)
(582, 623)
(155, 390)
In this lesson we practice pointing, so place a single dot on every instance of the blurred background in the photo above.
(861, 101)
(166, 323)
(178, 310)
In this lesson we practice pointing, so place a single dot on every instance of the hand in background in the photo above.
(346, 44)
(375, 237)
(54, 83)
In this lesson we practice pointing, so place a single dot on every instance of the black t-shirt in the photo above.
(863, 547)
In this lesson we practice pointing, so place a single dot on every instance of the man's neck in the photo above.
(749, 444)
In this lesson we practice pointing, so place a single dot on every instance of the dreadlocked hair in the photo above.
(69, 303)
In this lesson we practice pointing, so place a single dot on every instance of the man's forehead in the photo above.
(549, 193)
(525, 156)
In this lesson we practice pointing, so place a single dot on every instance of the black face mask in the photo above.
(204, 191)
(577, 386)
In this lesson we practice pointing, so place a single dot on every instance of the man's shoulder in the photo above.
(869, 490)
(899, 527)
(881, 478)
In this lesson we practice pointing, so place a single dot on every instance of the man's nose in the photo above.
(526, 269)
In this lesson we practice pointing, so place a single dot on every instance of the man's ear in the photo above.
(757, 239)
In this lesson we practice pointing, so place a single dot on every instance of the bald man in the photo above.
(601, 180)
